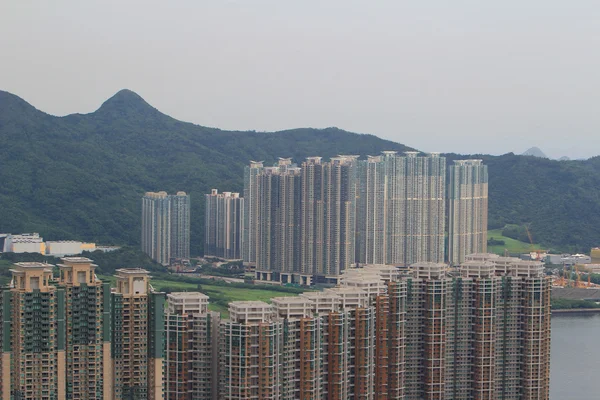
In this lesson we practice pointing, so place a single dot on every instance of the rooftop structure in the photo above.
(477, 269)
(292, 307)
(350, 297)
(323, 302)
(250, 311)
(429, 270)
(184, 303)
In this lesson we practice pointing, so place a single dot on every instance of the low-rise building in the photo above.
(61, 248)
(24, 243)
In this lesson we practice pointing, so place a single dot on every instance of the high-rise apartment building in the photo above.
(477, 331)
(156, 226)
(480, 331)
(137, 336)
(224, 219)
(300, 220)
(467, 209)
(250, 229)
(328, 216)
(166, 226)
(191, 348)
(401, 208)
(275, 209)
(180, 225)
(316, 346)
(87, 336)
(34, 362)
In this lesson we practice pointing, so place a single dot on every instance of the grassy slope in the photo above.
(230, 293)
(513, 246)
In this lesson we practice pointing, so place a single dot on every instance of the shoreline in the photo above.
(576, 310)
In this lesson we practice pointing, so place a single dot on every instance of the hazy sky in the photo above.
(438, 75)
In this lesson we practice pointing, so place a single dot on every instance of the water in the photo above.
(575, 359)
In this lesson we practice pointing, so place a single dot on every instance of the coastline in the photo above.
(576, 310)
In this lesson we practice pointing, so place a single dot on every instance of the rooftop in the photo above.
(76, 260)
(187, 295)
(132, 271)
(33, 265)
(290, 300)
(319, 295)
(249, 303)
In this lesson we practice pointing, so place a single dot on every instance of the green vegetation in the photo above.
(513, 246)
(220, 293)
(220, 296)
(83, 176)
(568, 304)
(125, 257)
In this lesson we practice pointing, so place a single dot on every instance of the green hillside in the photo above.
(82, 176)
(512, 245)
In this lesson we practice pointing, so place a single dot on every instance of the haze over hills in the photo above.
(534, 151)
(82, 176)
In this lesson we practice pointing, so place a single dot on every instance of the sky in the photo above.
(451, 76)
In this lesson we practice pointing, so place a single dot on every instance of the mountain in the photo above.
(534, 151)
(82, 176)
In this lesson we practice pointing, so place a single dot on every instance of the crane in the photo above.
(538, 252)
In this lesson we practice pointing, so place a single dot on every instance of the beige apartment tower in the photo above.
(87, 318)
(34, 330)
(137, 337)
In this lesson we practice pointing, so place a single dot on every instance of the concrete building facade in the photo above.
(224, 220)
(301, 219)
(250, 229)
(191, 344)
(137, 336)
(431, 331)
(34, 335)
(467, 209)
(166, 226)
(180, 225)
(401, 209)
(87, 336)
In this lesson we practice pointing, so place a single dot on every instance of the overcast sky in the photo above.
(438, 75)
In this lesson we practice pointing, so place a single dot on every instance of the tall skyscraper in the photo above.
(271, 219)
(401, 208)
(87, 320)
(34, 363)
(137, 337)
(156, 226)
(191, 344)
(304, 219)
(180, 225)
(250, 236)
(328, 218)
(477, 331)
(224, 219)
(480, 331)
(166, 226)
(467, 209)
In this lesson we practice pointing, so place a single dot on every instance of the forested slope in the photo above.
(82, 176)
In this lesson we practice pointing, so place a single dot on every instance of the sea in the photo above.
(575, 357)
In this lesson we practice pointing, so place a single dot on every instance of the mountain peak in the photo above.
(127, 103)
(535, 152)
(14, 109)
